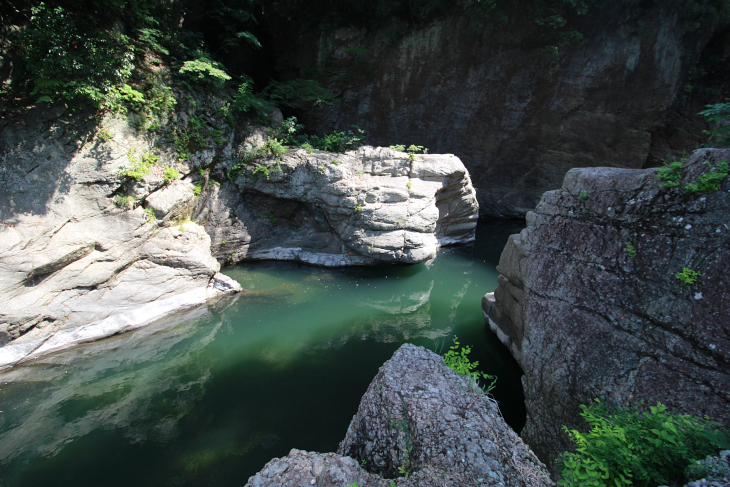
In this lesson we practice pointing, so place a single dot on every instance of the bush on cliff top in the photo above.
(628, 447)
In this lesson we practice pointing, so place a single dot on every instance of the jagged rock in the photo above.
(418, 416)
(362, 207)
(586, 320)
(74, 267)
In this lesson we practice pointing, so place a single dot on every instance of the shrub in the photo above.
(709, 182)
(140, 167)
(171, 174)
(719, 113)
(204, 70)
(626, 447)
(67, 58)
(458, 361)
(670, 173)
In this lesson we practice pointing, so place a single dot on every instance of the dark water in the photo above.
(206, 398)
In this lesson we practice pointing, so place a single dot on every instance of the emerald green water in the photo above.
(207, 397)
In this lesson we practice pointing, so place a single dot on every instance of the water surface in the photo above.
(209, 396)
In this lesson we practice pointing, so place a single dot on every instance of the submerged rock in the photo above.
(419, 418)
(363, 207)
(590, 303)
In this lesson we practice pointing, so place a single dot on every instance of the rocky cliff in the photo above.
(591, 304)
(99, 218)
(420, 424)
(518, 110)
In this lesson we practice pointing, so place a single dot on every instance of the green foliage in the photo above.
(140, 166)
(68, 58)
(708, 468)
(409, 185)
(104, 135)
(670, 173)
(583, 195)
(204, 70)
(297, 93)
(458, 361)
(274, 148)
(171, 174)
(399, 148)
(340, 141)
(626, 447)
(358, 207)
(125, 201)
(718, 113)
(272, 217)
(412, 150)
(709, 182)
(631, 250)
(245, 100)
(149, 215)
(688, 276)
(198, 188)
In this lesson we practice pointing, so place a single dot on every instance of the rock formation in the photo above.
(75, 267)
(417, 417)
(373, 205)
(98, 234)
(518, 111)
(591, 306)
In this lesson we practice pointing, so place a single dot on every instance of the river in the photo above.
(207, 397)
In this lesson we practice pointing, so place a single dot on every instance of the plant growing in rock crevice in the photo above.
(458, 361)
(688, 276)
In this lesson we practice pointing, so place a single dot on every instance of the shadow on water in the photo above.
(209, 396)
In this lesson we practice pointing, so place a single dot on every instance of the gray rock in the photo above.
(517, 116)
(716, 470)
(586, 320)
(420, 416)
(362, 207)
(73, 266)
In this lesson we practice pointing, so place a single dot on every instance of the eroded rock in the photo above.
(367, 206)
(590, 304)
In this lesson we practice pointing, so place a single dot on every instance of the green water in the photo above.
(207, 397)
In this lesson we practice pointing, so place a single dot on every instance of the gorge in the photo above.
(149, 204)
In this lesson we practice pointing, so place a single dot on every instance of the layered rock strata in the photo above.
(75, 266)
(417, 417)
(591, 304)
(98, 233)
(373, 205)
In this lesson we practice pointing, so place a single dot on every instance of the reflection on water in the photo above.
(207, 397)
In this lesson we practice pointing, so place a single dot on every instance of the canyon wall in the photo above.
(591, 304)
(517, 110)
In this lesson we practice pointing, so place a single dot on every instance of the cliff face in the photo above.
(591, 306)
(517, 116)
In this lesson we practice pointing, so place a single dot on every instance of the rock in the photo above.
(518, 113)
(714, 469)
(87, 251)
(418, 416)
(73, 266)
(362, 207)
(301, 468)
(585, 319)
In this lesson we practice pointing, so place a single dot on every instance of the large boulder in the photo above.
(420, 424)
(373, 205)
(591, 306)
